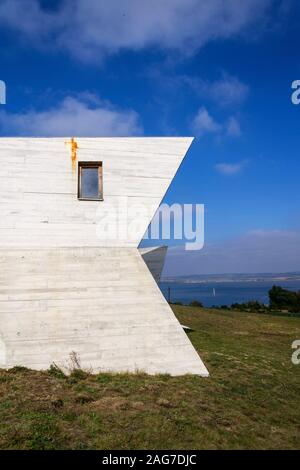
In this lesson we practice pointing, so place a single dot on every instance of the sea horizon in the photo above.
(216, 292)
(233, 277)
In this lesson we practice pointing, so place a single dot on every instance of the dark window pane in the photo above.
(89, 183)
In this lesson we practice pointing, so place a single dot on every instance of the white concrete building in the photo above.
(72, 280)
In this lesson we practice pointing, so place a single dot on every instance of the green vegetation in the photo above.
(283, 299)
(281, 302)
(250, 400)
(196, 303)
(252, 306)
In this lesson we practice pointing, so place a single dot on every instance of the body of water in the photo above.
(227, 293)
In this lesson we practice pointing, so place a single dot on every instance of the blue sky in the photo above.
(218, 70)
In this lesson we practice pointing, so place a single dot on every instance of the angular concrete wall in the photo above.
(63, 288)
(154, 258)
(38, 190)
(101, 303)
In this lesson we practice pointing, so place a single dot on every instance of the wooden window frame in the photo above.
(99, 166)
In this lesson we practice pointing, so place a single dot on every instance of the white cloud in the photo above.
(233, 127)
(81, 116)
(226, 91)
(91, 29)
(259, 251)
(230, 168)
(204, 123)
(27, 17)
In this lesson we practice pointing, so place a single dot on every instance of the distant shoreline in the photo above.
(218, 291)
(222, 281)
(232, 278)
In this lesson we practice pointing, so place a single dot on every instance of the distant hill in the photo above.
(238, 277)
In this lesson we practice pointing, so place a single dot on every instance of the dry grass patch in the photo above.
(250, 400)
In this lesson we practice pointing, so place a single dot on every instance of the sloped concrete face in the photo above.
(100, 305)
(154, 258)
(69, 288)
(39, 188)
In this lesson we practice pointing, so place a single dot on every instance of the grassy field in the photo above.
(251, 399)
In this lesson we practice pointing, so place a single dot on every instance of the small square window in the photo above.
(90, 181)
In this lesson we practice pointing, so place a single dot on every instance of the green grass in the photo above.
(250, 400)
